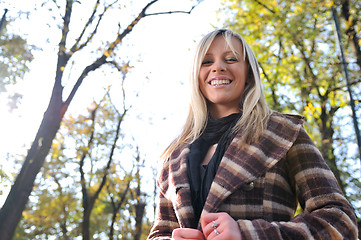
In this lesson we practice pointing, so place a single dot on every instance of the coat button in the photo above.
(248, 187)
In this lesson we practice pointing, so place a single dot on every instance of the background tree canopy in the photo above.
(15, 55)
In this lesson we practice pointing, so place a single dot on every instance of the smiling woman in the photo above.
(222, 76)
(238, 170)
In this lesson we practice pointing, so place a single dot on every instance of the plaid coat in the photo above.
(259, 185)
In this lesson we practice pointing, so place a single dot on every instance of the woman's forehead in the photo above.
(229, 45)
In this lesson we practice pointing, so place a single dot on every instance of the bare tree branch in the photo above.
(265, 6)
(110, 159)
(344, 85)
(90, 20)
(273, 88)
(171, 12)
(82, 159)
(65, 29)
(101, 60)
(116, 207)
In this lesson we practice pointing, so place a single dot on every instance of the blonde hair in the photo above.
(253, 105)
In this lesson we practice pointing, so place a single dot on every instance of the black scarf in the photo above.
(217, 131)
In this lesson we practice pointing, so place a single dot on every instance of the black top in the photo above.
(200, 178)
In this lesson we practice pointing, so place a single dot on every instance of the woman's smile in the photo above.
(220, 81)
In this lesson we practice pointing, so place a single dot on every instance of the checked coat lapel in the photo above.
(175, 186)
(241, 164)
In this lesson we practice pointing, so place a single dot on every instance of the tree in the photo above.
(91, 195)
(140, 201)
(350, 12)
(15, 55)
(10, 213)
(87, 188)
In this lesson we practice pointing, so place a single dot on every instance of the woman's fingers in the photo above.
(187, 233)
(211, 224)
(220, 226)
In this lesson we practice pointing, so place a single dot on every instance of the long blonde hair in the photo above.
(253, 105)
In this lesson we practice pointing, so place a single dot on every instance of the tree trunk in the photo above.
(11, 212)
(86, 220)
(351, 31)
(327, 148)
(139, 213)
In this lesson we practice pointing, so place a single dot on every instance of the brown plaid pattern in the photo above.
(259, 185)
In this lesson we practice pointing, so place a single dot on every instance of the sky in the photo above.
(160, 50)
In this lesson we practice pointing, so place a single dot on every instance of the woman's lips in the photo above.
(219, 82)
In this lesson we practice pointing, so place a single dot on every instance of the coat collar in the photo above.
(241, 164)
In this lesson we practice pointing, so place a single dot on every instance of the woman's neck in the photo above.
(220, 112)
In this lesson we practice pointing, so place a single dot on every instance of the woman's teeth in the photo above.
(220, 82)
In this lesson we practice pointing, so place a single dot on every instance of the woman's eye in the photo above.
(232, 60)
(206, 62)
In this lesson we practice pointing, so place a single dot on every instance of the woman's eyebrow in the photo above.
(231, 52)
(225, 53)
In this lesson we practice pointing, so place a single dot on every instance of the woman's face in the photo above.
(222, 77)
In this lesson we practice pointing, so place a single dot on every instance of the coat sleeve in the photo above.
(326, 212)
(165, 221)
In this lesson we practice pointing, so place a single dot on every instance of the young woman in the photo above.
(238, 170)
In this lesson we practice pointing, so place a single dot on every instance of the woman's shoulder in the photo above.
(283, 126)
(170, 168)
(283, 118)
(174, 156)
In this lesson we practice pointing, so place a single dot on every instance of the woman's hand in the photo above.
(187, 234)
(220, 226)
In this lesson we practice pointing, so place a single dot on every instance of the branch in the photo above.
(56, 4)
(126, 31)
(266, 7)
(90, 20)
(84, 154)
(124, 70)
(117, 207)
(100, 61)
(110, 160)
(65, 213)
(171, 12)
(273, 90)
(65, 30)
(62, 55)
(123, 196)
(343, 86)
(313, 46)
(307, 61)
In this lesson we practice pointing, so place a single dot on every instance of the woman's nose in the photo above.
(219, 66)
